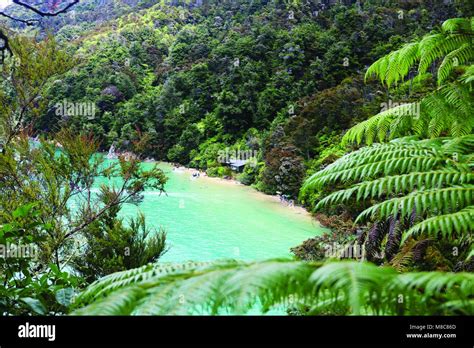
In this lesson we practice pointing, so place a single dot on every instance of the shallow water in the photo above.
(207, 219)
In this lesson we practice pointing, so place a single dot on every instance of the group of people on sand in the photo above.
(285, 199)
(178, 169)
(195, 174)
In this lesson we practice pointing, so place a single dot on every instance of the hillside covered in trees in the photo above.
(283, 80)
(360, 111)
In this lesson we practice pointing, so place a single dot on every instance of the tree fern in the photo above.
(396, 158)
(454, 42)
(431, 178)
(405, 258)
(236, 287)
(454, 224)
(468, 76)
(396, 65)
(458, 24)
(381, 126)
(396, 184)
(447, 111)
(439, 201)
(117, 280)
(462, 55)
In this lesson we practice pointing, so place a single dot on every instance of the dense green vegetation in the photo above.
(387, 164)
(341, 288)
(280, 80)
(418, 187)
(418, 193)
(46, 199)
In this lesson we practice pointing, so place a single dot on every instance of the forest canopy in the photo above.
(359, 111)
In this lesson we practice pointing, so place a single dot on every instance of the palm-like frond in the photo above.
(395, 158)
(118, 280)
(382, 126)
(236, 287)
(460, 56)
(433, 47)
(454, 43)
(458, 224)
(431, 178)
(458, 25)
(447, 111)
(396, 65)
(411, 251)
(445, 200)
(471, 253)
(468, 76)
(395, 184)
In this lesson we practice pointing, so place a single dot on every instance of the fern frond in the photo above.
(454, 43)
(348, 287)
(404, 259)
(455, 224)
(471, 254)
(436, 200)
(468, 76)
(387, 159)
(396, 65)
(446, 111)
(459, 56)
(356, 279)
(395, 184)
(436, 46)
(121, 302)
(458, 25)
(118, 280)
(379, 126)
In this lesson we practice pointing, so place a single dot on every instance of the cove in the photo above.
(208, 219)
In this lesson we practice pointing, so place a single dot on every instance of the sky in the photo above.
(4, 3)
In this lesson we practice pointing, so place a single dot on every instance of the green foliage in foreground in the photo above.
(445, 111)
(453, 44)
(49, 211)
(313, 288)
(431, 178)
(420, 184)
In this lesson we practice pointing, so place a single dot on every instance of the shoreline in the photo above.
(298, 209)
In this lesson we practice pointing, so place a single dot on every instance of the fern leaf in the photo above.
(455, 224)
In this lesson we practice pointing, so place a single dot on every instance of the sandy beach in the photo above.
(257, 194)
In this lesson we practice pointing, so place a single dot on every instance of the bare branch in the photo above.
(24, 21)
(42, 13)
(6, 47)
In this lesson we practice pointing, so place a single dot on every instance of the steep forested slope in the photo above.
(388, 162)
(279, 80)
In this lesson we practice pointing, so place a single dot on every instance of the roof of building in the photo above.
(237, 163)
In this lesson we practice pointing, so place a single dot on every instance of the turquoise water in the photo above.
(208, 219)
